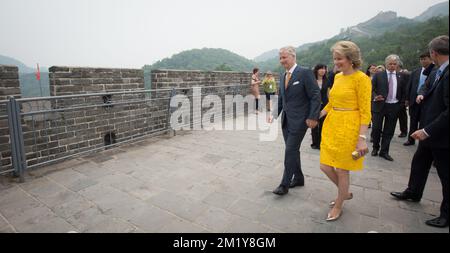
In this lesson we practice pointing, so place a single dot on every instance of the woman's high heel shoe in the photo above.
(332, 203)
(330, 218)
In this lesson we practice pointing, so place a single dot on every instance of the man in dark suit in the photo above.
(402, 114)
(433, 134)
(416, 83)
(389, 92)
(299, 100)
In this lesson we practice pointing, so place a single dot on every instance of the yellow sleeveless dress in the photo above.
(340, 131)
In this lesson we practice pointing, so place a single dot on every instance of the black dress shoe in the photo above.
(405, 196)
(387, 157)
(294, 183)
(439, 222)
(409, 143)
(281, 190)
(374, 152)
(402, 135)
(315, 147)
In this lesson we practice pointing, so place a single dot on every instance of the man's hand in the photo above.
(419, 135)
(406, 103)
(419, 99)
(312, 123)
(270, 119)
(379, 98)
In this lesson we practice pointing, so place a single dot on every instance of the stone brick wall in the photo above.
(73, 128)
(210, 82)
(9, 86)
(9, 82)
(162, 79)
(66, 126)
(72, 80)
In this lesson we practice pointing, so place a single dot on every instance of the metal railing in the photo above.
(5, 142)
(47, 130)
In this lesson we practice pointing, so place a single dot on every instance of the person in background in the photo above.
(331, 74)
(270, 88)
(389, 92)
(371, 71)
(255, 87)
(433, 134)
(402, 114)
(381, 68)
(320, 73)
(416, 82)
(426, 87)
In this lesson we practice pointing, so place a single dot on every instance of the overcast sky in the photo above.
(131, 33)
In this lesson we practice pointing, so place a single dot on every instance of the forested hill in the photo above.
(205, 59)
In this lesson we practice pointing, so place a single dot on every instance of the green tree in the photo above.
(223, 67)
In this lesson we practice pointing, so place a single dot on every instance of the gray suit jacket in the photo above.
(301, 100)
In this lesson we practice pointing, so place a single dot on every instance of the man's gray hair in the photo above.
(393, 57)
(439, 45)
(290, 50)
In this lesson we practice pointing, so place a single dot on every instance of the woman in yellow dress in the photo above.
(348, 116)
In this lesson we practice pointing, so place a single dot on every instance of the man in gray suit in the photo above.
(300, 102)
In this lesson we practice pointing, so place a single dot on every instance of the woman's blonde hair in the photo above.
(350, 50)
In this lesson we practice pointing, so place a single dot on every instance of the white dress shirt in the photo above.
(394, 100)
(292, 69)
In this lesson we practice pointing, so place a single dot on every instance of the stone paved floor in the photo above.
(203, 181)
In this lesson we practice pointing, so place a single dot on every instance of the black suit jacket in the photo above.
(301, 100)
(324, 92)
(380, 86)
(430, 72)
(434, 118)
(413, 84)
(429, 69)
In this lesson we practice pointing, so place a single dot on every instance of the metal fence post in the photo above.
(19, 161)
(172, 132)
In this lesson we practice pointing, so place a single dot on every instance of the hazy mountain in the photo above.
(23, 68)
(270, 55)
(441, 9)
(381, 23)
(407, 40)
(5, 60)
(29, 86)
(206, 59)
(266, 56)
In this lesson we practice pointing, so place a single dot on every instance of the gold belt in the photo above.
(345, 109)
